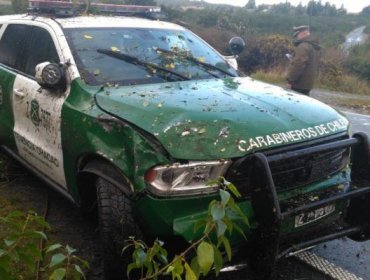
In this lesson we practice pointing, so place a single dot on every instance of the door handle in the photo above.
(18, 92)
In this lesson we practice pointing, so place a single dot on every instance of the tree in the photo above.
(300, 10)
(366, 10)
(251, 4)
(19, 6)
(141, 2)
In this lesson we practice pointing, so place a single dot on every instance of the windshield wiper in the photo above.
(134, 60)
(197, 61)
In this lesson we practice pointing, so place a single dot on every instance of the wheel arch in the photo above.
(89, 169)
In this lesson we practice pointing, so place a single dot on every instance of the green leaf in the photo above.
(41, 221)
(237, 210)
(84, 263)
(156, 267)
(27, 260)
(53, 247)
(238, 229)
(208, 227)
(169, 269)
(140, 257)
(58, 274)
(130, 267)
(225, 196)
(218, 212)
(178, 267)
(229, 224)
(221, 228)
(70, 250)
(218, 260)
(79, 270)
(33, 250)
(215, 182)
(40, 234)
(205, 256)
(210, 206)
(8, 242)
(57, 259)
(126, 247)
(189, 274)
(195, 266)
(149, 268)
(199, 224)
(231, 187)
(227, 247)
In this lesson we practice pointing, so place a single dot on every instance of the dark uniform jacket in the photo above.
(305, 63)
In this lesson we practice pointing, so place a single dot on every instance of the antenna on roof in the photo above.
(67, 8)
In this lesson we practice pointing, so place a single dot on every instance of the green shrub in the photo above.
(19, 251)
(206, 252)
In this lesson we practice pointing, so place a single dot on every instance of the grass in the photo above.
(275, 76)
(348, 84)
(345, 83)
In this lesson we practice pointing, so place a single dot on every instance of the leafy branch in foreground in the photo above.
(152, 262)
(19, 250)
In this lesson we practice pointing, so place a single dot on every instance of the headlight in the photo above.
(185, 179)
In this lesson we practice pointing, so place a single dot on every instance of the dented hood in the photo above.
(213, 119)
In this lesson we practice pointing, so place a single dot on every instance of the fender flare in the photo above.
(110, 173)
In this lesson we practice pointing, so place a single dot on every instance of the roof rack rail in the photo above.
(67, 8)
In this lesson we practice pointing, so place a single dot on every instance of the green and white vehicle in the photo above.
(132, 117)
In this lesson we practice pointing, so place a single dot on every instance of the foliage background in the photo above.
(267, 30)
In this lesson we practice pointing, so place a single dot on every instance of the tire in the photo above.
(116, 224)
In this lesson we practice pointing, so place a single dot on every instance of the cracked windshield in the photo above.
(127, 56)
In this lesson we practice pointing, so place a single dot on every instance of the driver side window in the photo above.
(39, 48)
(22, 47)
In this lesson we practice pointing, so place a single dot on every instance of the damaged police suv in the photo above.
(132, 117)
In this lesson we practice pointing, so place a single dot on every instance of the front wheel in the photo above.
(116, 224)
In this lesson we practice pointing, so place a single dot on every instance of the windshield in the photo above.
(127, 56)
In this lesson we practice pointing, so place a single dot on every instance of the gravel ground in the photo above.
(349, 102)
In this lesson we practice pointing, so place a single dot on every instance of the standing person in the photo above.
(305, 63)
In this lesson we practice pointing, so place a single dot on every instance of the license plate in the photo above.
(314, 215)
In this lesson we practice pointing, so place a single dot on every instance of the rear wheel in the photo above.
(116, 224)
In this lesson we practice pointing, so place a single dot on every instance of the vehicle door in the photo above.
(37, 111)
(11, 46)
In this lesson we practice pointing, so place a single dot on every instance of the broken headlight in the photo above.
(185, 179)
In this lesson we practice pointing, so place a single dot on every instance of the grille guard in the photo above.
(269, 216)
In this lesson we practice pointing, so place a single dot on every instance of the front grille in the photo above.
(294, 172)
(307, 169)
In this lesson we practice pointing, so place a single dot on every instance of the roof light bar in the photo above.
(65, 8)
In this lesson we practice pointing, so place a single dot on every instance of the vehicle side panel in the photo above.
(6, 118)
(88, 132)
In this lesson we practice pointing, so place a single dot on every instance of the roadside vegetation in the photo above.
(203, 256)
(267, 31)
(26, 249)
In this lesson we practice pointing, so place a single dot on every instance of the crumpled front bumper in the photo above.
(268, 240)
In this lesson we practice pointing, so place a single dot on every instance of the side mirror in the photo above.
(51, 76)
(236, 45)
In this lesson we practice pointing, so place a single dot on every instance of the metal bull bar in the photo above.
(266, 238)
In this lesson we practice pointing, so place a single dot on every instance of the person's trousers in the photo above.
(303, 91)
